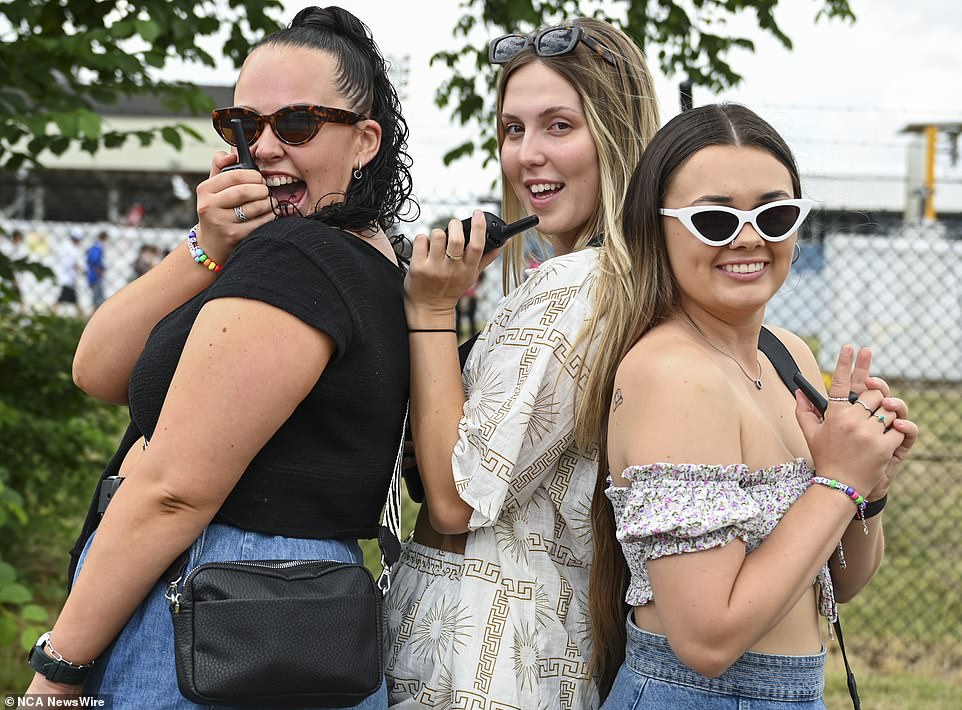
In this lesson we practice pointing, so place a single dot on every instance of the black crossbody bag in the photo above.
(791, 376)
(285, 633)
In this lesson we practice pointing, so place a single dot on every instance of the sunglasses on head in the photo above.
(716, 225)
(293, 125)
(549, 42)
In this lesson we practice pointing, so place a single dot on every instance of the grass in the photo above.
(895, 689)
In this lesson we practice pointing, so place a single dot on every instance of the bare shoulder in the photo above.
(666, 389)
(668, 360)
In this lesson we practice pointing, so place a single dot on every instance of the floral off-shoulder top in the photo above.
(668, 509)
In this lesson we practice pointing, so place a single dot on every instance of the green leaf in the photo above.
(8, 629)
(14, 594)
(29, 636)
(67, 123)
(114, 139)
(172, 136)
(88, 123)
(462, 150)
(59, 144)
(148, 29)
(7, 574)
(124, 29)
(32, 612)
(155, 59)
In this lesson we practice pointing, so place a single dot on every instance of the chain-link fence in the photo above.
(896, 288)
(128, 251)
(899, 290)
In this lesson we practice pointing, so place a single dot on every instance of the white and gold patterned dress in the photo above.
(506, 624)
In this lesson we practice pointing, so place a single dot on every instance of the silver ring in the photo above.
(838, 399)
(881, 418)
(865, 406)
(239, 213)
(452, 257)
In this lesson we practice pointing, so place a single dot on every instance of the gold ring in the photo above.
(452, 257)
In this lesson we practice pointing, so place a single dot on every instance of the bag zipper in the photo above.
(172, 595)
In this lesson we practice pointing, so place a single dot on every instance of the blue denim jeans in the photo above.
(653, 677)
(138, 671)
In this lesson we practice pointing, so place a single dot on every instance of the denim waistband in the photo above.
(762, 676)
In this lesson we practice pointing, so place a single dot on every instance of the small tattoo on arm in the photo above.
(618, 399)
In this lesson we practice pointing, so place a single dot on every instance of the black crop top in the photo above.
(325, 472)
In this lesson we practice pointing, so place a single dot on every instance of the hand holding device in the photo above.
(496, 231)
(245, 161)
(814, 396)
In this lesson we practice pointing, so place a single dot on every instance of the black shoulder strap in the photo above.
(787, 368)
(778, 354)
(788, 372)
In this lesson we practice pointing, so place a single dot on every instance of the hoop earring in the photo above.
(797, 253)
(358, 174)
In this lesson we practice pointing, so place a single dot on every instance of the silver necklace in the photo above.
(756, 380)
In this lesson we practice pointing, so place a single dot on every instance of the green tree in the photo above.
(60, 60)
(686, 39)
(54, 441)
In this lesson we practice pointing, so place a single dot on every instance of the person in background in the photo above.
(488, 607)
(68, 270)
(148, 256)
(728, 513)
(239, 449)
(97, 269)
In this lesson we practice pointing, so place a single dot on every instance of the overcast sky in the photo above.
(840, 96)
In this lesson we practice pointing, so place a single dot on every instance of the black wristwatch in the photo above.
(55, 667)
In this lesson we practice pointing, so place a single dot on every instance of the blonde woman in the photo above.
(488, 607)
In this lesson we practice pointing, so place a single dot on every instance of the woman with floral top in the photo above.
(488, 607)
(714, 491)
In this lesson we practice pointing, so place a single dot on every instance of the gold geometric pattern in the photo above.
(482, 570)
(505, 627)
(536, 471)
(491, 641)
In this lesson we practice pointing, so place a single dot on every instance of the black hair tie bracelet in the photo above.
(873, 508)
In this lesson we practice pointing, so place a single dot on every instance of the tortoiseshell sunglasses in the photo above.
(293, 125)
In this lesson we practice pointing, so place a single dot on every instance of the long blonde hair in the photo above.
(622, 115)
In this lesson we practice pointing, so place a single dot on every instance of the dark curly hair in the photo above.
(383, 196)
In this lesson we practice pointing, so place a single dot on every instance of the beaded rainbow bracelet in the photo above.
(858, 499)
(198, 254)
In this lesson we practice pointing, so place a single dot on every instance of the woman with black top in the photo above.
(270, 400)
